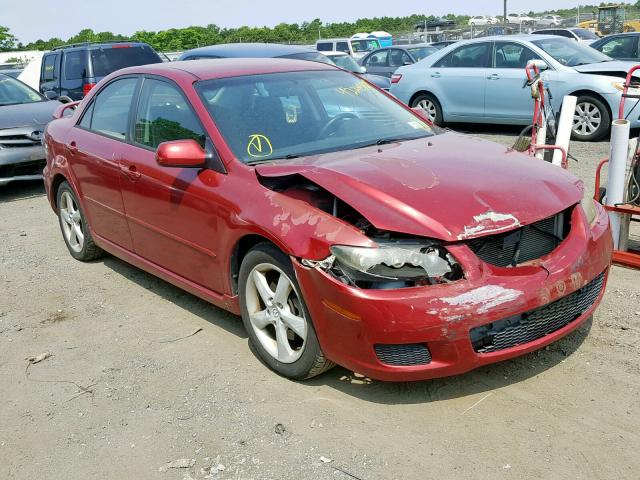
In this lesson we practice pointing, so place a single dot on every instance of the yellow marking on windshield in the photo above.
(259, 146)
(356, 90)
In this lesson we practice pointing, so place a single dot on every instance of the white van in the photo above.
(356, 47)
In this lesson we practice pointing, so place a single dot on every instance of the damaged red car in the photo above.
(338, 223)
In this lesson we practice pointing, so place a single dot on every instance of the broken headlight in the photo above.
(396, 264)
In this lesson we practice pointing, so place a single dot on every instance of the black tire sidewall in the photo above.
(88, 241)
(605, 124)
(301, 368)
(427, 96)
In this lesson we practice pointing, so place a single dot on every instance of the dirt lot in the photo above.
(118, 398)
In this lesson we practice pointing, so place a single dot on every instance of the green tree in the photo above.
(7, 40)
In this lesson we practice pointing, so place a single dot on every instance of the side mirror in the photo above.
(181, 153)
(362, 70)
(541, 64)
(407, 62)
(50, 95)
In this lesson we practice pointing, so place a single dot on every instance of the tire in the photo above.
(431, 106)
(293, 354)
(588, 110)
(74, 226)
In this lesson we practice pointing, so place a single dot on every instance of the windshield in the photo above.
(14, 92)
(284, 115)
(368, 45)
(422, 52)
(569, 52)
(106, 60)
(584, 34)
(345, 61)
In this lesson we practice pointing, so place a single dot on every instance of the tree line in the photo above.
(178, 39)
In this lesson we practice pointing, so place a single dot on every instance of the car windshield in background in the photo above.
(365, 45)
(14, 92)
(310, 56)
(285, 115)
(345, 61)
(422, 52)
(584, 34)
(569, 52)
(109, 59)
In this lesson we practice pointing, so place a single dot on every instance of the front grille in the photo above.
(24, 168)
(523, 244)
(537, 323)
(406, 354)
(17, 141)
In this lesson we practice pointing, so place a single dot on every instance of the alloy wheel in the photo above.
(429, 107)
(71, 221)
(586, 119)
(275, 313)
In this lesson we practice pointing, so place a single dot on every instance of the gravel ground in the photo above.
(123, 395)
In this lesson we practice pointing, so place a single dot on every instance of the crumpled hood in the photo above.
(27, 114)
(450, 186)
(614, 68)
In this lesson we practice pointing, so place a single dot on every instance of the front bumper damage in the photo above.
(440, 330)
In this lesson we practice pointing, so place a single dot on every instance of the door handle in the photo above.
(131, 171)
(435, 75)
(494, 76)
(72, 146)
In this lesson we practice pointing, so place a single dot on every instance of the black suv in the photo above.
(70, 71)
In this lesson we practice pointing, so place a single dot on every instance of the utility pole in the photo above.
(504, 19)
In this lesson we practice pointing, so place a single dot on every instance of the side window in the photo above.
(324, 47)
(565, 33)
(50, 68)
(513, 55)
(621, 47)
(476, 55)
(164, 115)
(398, 58)
(378, 59)
(111, 108)
(75, 65)
(342, 47)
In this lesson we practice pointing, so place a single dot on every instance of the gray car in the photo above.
(24, 113)
(385, 61)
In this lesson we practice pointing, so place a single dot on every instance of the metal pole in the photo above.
(504, 19)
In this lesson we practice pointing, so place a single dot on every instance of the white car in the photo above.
(550, 21)
(482, 20)
(520, 19)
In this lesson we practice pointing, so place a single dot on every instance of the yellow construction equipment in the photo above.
(611, 19)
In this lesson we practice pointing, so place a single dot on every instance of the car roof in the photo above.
(208, 69)
(96, 45)
(249, 50)
(342, 39)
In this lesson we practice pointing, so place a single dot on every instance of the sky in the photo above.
(35, 19)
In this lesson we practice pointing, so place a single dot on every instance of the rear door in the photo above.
(74, 73)
(377, 63)
(505, 98)
(95, 145)
(173, 213)
(459, 80)
(50, 73)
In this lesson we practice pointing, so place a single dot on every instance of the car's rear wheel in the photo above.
(276, 317)
(591, 120)
(73, 224)
(431, 106)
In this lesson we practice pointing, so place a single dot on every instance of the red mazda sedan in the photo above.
(334, 219)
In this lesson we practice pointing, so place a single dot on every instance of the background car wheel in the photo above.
(591, 120)
(431, 105)
(74, 227)
(276, 317)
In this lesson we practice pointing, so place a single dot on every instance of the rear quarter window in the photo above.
(324, 47)
(106, 60)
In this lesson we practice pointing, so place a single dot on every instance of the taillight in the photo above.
(86, 88)
(395, 78)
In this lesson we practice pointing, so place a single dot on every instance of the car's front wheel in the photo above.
(73, 224)
(275, 315)
(591, 120)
